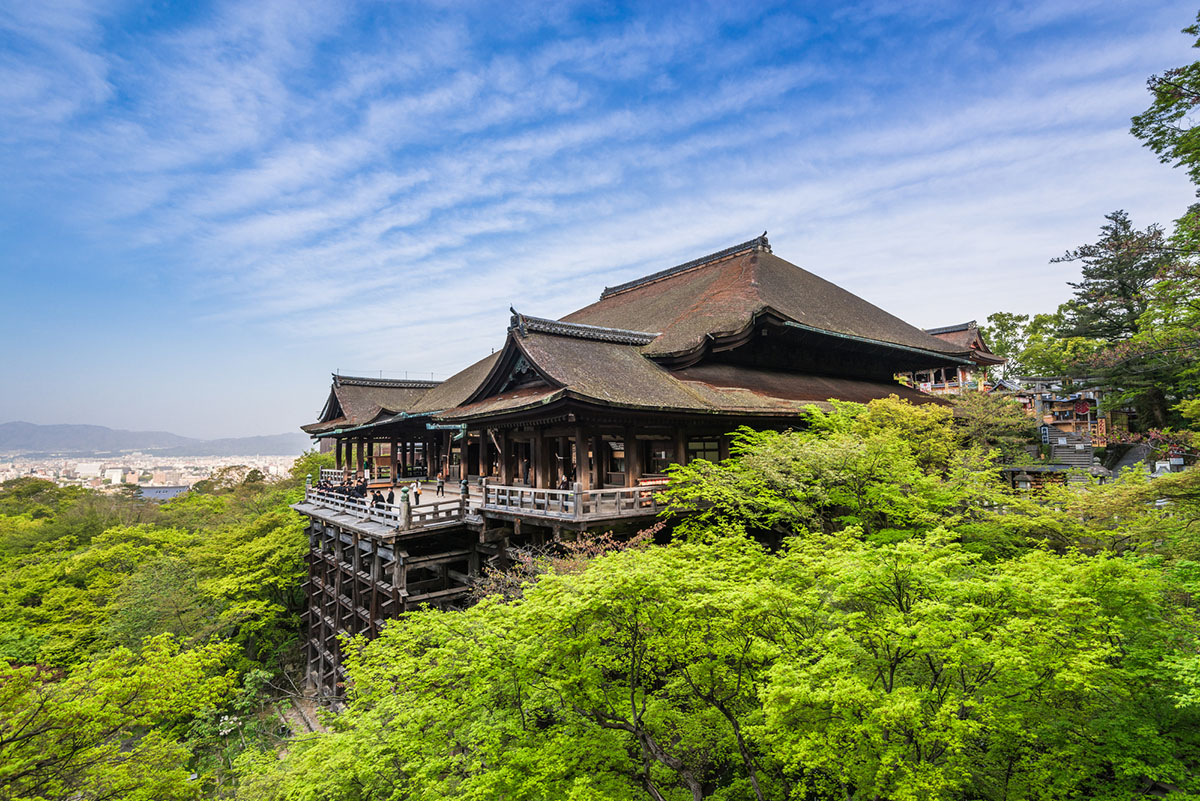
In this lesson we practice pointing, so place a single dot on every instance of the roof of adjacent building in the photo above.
(723, 294)
(967, 337)
(356, 400)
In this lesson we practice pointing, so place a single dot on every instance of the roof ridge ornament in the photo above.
(524, 324)
(517, 321)
(758, 244)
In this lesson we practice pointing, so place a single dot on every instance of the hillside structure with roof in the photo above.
(570, 423)
(953, 379)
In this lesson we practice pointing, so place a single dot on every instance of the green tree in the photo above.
(889, 465)
(1166, 127)
(1005, 334)
(108, 730)
(994, 422)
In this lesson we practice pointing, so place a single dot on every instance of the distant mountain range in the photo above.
(82, 440)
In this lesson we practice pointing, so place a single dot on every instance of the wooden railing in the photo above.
(395, 515)
(572, 504)
(380, 472)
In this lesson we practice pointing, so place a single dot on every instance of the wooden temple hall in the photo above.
(570, 424)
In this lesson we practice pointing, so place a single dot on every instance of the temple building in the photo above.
(570, 423)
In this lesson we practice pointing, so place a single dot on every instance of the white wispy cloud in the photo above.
(383, 181)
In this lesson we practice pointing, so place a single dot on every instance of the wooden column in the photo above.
(484, 462)
(505, 459)
(337, 453)
(583, 465)
(599, 461)
(633, 458)
(680, 447)
(393, 458)
(464, 458)
(538, 455)
(723, 447)
(358, 453)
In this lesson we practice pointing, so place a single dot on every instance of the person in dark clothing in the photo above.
(391, 498)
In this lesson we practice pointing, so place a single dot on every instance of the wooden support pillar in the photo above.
(393, 454)
(484, 462)
(583, 465)
(505, 459)
(464, 458)
(680, 446)
(599, 461)
(358, 453)
(723, 447)
(539, 460)
(633, 458)
(337, 453)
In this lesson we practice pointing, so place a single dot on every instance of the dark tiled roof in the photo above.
(611, 374)
(772, 386)
(723, 295)
(607, 372)
(356, 400)
(362, 399)
(754, 244)
(455, 389)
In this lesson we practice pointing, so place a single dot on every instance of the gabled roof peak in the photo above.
(759, 243)
(524, 324)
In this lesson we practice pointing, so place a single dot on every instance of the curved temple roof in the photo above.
(356, 400)
(604, 354)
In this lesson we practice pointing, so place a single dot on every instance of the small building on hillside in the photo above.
(953, 379)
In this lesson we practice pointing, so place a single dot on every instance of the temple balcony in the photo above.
(574, 508)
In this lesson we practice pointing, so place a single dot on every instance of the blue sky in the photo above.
(207, 208)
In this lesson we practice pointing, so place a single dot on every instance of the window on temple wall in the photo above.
(660, 454)
(709, 449)
(616, 459)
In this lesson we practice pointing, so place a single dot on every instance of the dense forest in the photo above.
(143, 646)
(861, 609)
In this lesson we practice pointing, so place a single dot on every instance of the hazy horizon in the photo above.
(212, 207)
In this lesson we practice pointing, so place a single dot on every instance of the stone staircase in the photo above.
(1071, 448)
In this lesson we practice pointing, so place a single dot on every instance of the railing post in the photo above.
(578, 500)
(405, 510)
(464, 489)
(483, 489)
